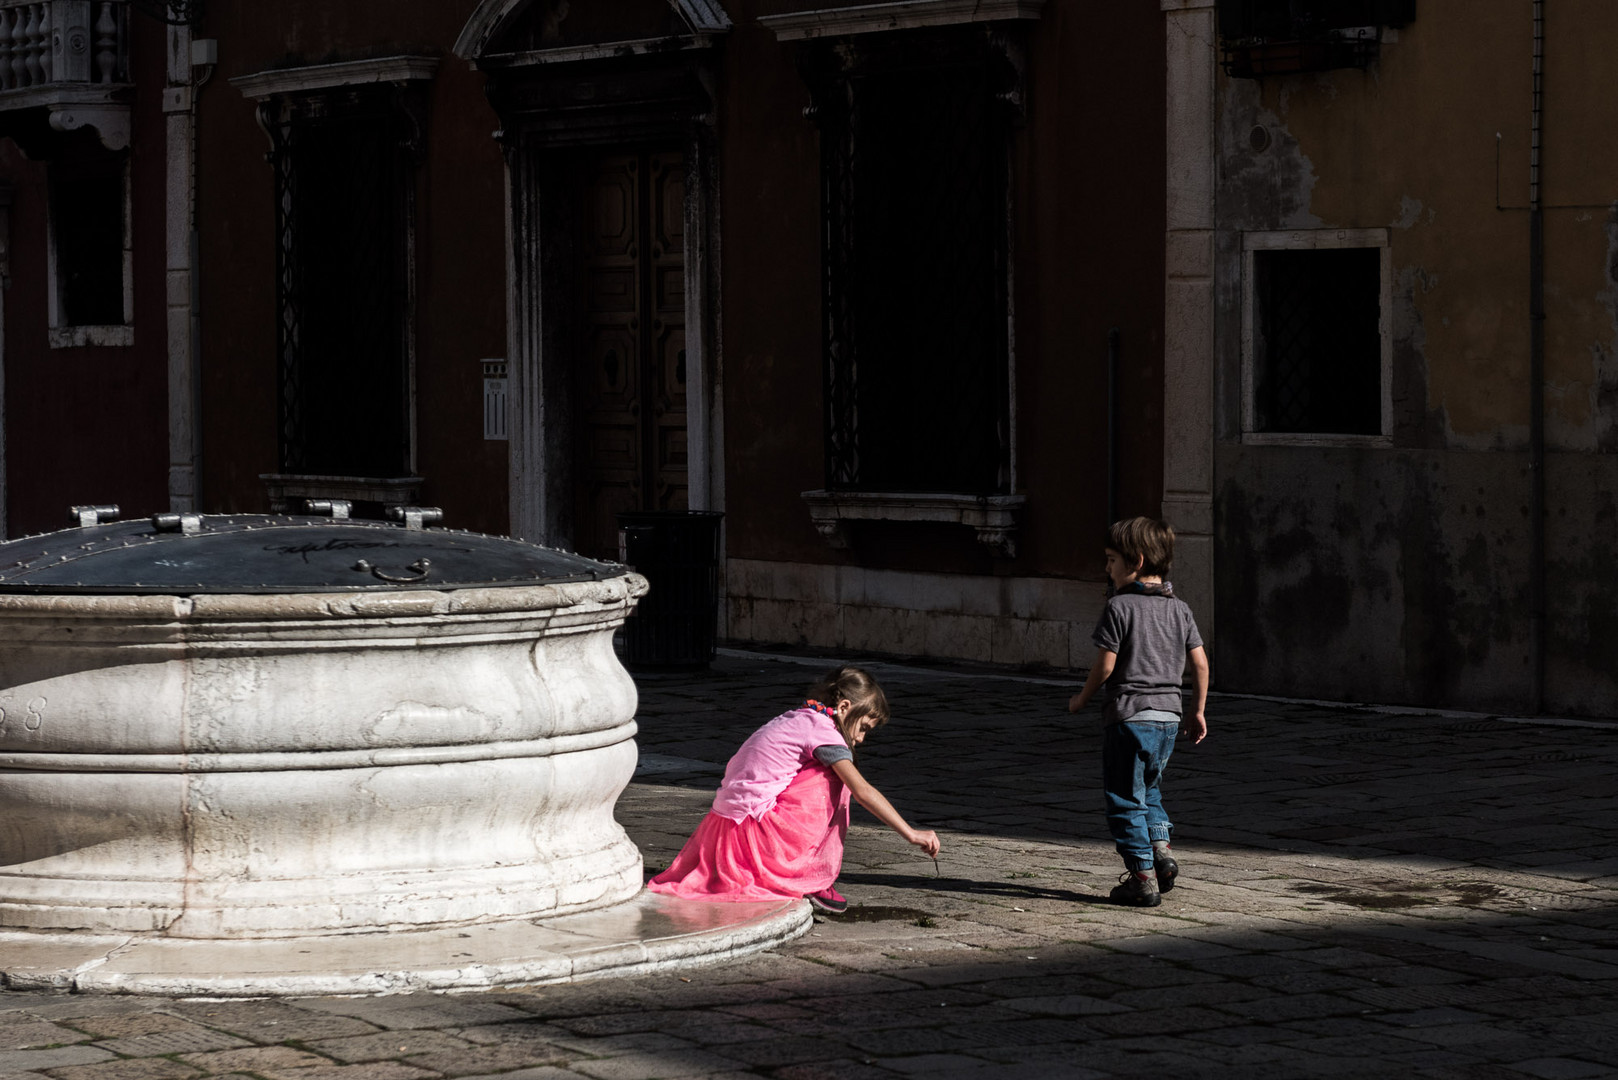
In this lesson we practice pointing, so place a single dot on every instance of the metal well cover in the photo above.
(259, 553)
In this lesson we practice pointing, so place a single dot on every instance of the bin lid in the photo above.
(175, 554)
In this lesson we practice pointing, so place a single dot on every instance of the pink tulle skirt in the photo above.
(794, 850)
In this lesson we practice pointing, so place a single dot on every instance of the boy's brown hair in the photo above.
(1144, 538)
(862, 693)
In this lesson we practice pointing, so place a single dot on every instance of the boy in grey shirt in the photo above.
(1144, 639)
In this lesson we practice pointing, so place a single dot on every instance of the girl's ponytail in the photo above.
(859, 689)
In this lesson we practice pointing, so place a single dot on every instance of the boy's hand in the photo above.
(927, 840)
(1197, 727)
(1076, 702)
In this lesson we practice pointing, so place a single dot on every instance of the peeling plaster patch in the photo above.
(1413, 422)
(1261, 189)
(1409, 212)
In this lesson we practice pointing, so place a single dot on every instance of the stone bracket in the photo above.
(993, 517)
(110, 122)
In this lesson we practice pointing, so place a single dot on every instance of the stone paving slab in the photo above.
(1365, 893)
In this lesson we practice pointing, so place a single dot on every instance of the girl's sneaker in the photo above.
(829, 900)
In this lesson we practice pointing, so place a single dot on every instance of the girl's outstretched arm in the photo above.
(874, 801)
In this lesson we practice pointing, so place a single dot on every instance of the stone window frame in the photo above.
(286, 491)
(1316, 240)
(65, 335)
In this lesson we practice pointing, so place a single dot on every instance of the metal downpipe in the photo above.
(1536, 372)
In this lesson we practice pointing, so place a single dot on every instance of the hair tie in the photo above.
(819, 708)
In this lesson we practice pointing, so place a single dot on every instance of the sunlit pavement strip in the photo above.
(1363, 893)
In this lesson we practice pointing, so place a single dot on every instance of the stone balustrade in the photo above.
(47, 43)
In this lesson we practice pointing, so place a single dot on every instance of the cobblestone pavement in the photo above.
(1364, 893)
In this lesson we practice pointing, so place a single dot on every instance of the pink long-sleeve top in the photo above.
(770, 758)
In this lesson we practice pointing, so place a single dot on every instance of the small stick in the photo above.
(935, 866)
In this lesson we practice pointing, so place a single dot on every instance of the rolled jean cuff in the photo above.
(1159, 833)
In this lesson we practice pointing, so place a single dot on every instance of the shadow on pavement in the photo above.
(969, 885)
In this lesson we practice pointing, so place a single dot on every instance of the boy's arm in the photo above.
(877, 803)
(1197, 726)
(1100, 671)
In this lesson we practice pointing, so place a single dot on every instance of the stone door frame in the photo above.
(551, 104)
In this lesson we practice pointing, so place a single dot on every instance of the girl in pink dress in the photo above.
(777, 824)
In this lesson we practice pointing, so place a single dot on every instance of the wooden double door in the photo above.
(629, 386)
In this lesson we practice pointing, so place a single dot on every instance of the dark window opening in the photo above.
(343, 196)
(1279, 37)
(1296, 19)
(1317, 342)
(87, 229)
(914, 163)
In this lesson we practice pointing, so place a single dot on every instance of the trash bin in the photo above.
(678, 552)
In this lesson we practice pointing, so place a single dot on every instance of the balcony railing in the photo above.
(69, 58)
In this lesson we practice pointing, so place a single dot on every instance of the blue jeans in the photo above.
(1133, 755)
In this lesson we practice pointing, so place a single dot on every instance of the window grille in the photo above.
(1317, 348)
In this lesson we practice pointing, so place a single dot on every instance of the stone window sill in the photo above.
(896, 15)
(79, 337)
(994, 517)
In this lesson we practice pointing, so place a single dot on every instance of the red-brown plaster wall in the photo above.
(460, 250)
(771, 332)
(1090, 233)
(90, 424)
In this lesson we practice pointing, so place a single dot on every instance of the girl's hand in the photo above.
(927, 840)
(1076, 702)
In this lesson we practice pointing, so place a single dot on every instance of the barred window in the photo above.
(89, 242)
(914, 145)
(1316, 343)
(1244, 19)
(344, 184)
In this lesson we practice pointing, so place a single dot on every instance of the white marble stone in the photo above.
(646, 933)
(229, 767)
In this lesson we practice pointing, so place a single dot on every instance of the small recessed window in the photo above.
(1316, 349)
(90, 253)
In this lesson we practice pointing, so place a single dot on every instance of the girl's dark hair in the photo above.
(859, 689)
(1144, 538)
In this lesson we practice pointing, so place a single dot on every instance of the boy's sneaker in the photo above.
(829, 900)
(1137, 889)
(1165, 866)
